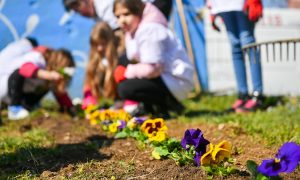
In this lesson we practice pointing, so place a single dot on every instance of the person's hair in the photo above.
(57, 60)
(135, 7)
(32, 41)
(99, 77)
(69, 4)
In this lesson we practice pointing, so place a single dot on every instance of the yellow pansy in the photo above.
(113, 128)
(151, 126)
(123, 115)
(95, 115)
(90, 108)
(93, 121)
(131, 123)
(217, 153)
(105, 115)
(158, 136)
(206, 158)
(222, 151)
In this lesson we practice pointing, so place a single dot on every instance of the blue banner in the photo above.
(192, 13)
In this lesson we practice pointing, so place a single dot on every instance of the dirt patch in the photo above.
(77, 142)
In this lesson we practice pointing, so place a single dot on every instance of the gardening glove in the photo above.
(254, 9)
(88, 99)
(119, 73)
(213, 23)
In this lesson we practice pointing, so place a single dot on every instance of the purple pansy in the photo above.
(140, 120)
(195, 138)
(122, 124)
(286, 160)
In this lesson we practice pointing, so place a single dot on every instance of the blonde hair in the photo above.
(99, 77)
(55, 61)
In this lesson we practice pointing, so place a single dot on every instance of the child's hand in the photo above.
(54, 76)
(49, 75)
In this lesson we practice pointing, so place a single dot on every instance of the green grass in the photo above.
(276, 124)
(16, 149)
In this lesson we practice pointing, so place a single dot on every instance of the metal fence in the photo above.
(278, 50)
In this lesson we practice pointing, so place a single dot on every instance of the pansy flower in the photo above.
(158, 136)
(216, 154)
(95, 114)
(140, 120)
(133, 122)
(155, 129)
(104, 115)
(286, 160)
(113, 128)
(194, 137)
(93, 121)
(123, 115)
(151, 126)
(121, 124)
(105, 124)
(90, 108)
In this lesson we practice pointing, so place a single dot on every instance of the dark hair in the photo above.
(136, 7)
(69, 4)
(33, 41)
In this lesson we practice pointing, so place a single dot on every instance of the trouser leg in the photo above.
(152, 92)
(15, 88)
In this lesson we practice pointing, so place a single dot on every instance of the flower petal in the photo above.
(224, 145)
(206, 158)
(270, 168)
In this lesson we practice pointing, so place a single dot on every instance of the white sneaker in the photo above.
(17, 113)
(130, 106)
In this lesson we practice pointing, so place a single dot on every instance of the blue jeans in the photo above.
(240, 33)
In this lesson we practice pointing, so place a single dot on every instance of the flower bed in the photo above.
(192, 148)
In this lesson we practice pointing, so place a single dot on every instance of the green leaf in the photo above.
(208, 169)
(138, 135)
(155, 154)
(261, 177)
(122, 134)
(162, 151)
(252, 167)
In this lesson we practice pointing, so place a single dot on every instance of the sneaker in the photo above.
(240, 102)
(139, 110)
(130, 106)
(252, 104)
(17, 112)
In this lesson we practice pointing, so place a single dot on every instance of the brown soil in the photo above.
(107, 157)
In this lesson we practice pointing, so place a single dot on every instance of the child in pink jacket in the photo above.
(27, 73)
(160, 73)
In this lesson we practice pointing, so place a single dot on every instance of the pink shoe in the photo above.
(251, 105)
(238, 103)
